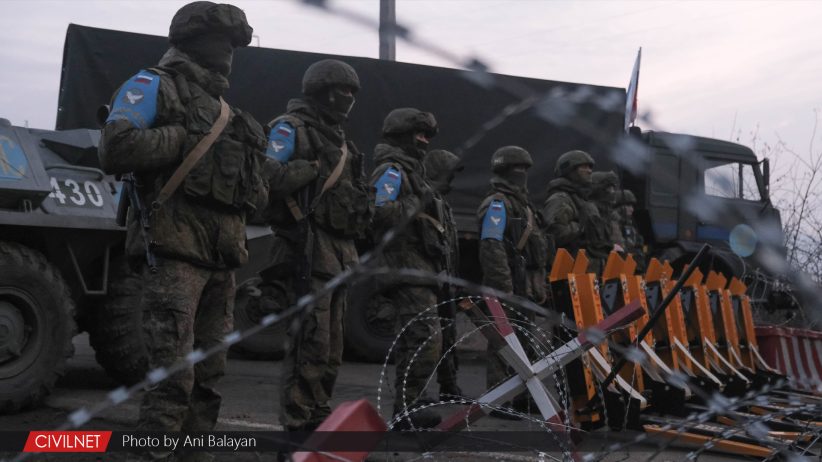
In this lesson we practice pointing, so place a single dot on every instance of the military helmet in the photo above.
(626, 197)
(508, 156)
(439, 161)
(605, 179)
(329, 72)
(199, 18)
(571, 160)
(409, 120)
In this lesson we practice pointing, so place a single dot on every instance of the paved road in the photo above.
(250, 391)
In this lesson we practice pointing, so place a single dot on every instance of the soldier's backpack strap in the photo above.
(329, 183)
(194, 156)
(335, 175)
(529, 228)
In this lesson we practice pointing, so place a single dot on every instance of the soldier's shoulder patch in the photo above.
(137, 100)
(493, 225)
(281, 141)
(388, 186)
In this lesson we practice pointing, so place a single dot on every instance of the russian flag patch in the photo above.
(388, 186)
(281, 141)
(494, 222)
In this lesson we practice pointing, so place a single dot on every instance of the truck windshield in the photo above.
(731, 180)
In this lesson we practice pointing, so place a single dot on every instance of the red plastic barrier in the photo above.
(797, 353)
(350, 416)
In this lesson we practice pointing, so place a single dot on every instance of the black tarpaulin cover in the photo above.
(96, 61)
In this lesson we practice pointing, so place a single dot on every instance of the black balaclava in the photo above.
(211, 51)
(334, 103)
(516, 175)
(410, 142)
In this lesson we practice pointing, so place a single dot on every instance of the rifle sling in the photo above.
(193, 156)
(529, 227)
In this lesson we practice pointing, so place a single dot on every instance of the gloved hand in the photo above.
(300, 172)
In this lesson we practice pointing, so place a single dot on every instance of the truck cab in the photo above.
(702, 190)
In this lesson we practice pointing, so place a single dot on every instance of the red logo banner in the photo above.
(67, 441)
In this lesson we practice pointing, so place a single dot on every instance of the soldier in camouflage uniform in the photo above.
(570, 217)
(604, 186)
(440, 168)
(326, 207)
(513, 250)
(633, 241)
(402, 188)
(196, 236)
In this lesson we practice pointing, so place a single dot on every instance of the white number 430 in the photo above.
(88, 194)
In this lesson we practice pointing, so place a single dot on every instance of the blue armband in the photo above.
(493, 225)
(388, 186)
(137, 100)
(281, 141)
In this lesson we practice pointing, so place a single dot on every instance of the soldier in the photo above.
(440, 168)
(194, 233)
(513, 250)
(604, 187)
(326, 207)
(634, 243)
(402, 189)
(572, 220)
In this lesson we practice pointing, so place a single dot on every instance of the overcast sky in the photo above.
(709, 68)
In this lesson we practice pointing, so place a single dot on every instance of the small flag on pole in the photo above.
(631, 94)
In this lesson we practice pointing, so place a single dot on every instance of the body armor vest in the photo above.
(224, 176)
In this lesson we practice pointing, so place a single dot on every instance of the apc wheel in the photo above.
(269, 343)
(116, 327)
(36, 327)
(369, 325)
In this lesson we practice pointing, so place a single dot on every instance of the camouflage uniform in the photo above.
(309, 252)
(633, 241)
(570, 218)
(440, 167)
(603, 193)
(401, 187)
(513, 250)
(198, 234)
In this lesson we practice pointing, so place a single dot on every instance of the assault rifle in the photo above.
(129, 197)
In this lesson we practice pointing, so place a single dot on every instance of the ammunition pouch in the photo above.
(345, 210)
(225, 175)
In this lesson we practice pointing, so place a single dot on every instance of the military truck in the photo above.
(61, 251)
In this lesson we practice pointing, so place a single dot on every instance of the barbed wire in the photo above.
(559, 107)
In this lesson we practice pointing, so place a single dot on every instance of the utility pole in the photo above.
(388, 27)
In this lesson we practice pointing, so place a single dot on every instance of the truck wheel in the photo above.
(36, 326)
(271, 342)
(677, 257)
(369, 327)
(116, 327)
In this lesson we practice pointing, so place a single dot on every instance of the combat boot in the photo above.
(450, 391)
